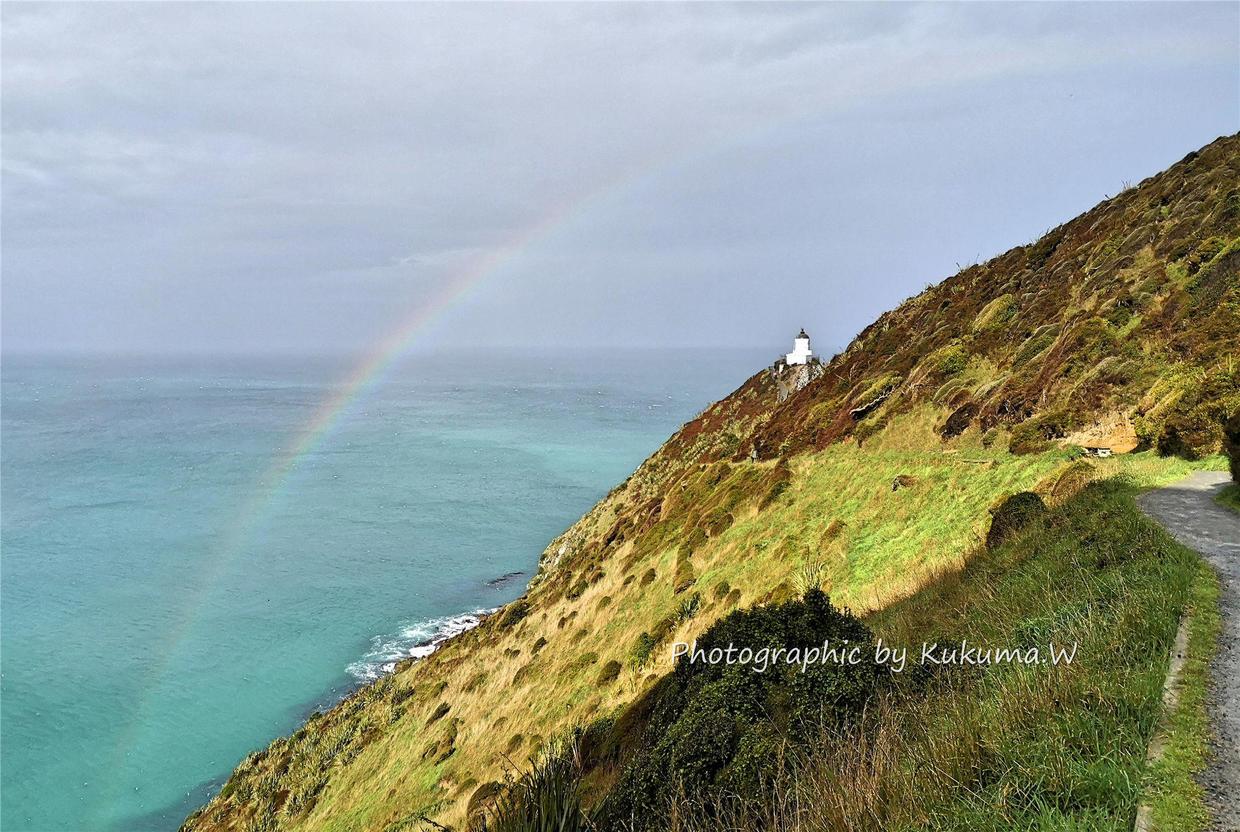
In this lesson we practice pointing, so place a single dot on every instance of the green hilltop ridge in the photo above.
(884, 483)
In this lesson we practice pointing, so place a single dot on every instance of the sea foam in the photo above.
(415, 641)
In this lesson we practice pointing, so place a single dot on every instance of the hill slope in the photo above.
(1117, 328)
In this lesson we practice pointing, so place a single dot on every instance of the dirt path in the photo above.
(1187, 510)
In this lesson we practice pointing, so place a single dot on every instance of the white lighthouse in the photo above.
(801, 353)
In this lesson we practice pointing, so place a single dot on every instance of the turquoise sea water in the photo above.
(152, 635)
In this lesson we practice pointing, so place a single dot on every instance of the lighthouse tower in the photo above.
(801, 353)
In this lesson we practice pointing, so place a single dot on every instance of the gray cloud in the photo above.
(305, 176)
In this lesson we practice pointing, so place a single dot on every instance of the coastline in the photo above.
(413, 642)
(421, 638)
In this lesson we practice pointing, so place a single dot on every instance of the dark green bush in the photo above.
(642, 649)
(513, 613)
(1013, 515)
(709, 729)
(1231, 432)
(608, 674)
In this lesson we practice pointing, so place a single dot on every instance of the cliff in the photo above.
(871, 480)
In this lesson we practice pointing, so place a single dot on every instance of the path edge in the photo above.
(1170, 701)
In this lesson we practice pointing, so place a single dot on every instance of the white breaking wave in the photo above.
(416, 641)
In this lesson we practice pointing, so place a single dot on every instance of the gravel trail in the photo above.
(1188, 511)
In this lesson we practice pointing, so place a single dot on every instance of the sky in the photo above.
(306, 178)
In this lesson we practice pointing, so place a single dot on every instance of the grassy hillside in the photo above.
(1009, 746)
(874, 482)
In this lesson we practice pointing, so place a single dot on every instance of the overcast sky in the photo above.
(285, 177)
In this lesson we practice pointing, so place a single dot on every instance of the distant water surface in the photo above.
(164, 613)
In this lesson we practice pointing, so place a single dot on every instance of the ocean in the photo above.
(167, 605)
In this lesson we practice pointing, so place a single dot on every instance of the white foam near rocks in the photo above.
(416, 641)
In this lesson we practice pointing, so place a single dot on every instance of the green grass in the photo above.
(1017, 747)
(1171, 791)
(1230, 497)
(883, 546)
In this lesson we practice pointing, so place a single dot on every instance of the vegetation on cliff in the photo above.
(876, 484)
(989, 746)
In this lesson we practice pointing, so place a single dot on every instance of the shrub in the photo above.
(1194, 426)
(711, 729)
(718, 522)
(996, 314)
(482, 796)
(544, 799)
(1075, 477)
(1231, 432)
(833, 530)
(773, 493)
(642, 649)
(1033, 435)
(399, 695)
(777, 483)
(903, 481)
(1190, 433)
(1204, 253)
(648, 577)
(664, 628)
(689, 607)
(608, 674)
(959, 420)
(1012, 516)
(684, 577)
(584, 660)
(514, 613)
(953, 360)
(1027, 439)
(721, 590)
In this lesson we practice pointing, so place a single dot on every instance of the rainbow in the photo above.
(371, 370)
(368, 373)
